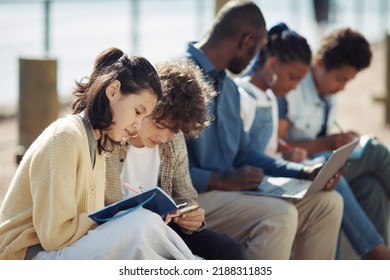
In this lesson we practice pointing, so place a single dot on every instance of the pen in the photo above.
(285, 145)
(339, 126)
(133, 189)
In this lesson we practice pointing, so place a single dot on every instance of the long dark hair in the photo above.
(135, 75)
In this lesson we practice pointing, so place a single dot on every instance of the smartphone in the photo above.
(186, 209)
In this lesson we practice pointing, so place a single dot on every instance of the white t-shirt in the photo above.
(141, 169)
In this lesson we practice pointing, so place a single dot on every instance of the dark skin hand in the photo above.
(332, 182)
(244, 178)
(335, 141)
(249, 177)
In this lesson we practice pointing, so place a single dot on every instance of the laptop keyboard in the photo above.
(289, 187)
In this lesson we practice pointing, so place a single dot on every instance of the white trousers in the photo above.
(140, 235)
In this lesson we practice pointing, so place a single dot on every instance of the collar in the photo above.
(204, 62)
(310, 90)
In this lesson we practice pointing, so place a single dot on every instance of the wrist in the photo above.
(189, 232)
(309, 172)
(215, 182)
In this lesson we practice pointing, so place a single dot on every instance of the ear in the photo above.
(246, 41)
(318, 61)
(113, 89)
(271, 63)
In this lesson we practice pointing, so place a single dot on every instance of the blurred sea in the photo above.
(156, 29)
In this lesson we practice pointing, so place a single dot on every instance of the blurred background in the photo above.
(46, 45)
(74, 31)
(67, 35)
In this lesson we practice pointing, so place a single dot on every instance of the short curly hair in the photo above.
(345, 47)
(185, 98)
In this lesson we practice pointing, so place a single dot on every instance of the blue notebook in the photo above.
(155, 200)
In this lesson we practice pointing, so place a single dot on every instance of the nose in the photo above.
(137, 124)
(167, 135)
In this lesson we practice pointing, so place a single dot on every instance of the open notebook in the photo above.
(298, 189)
(155, 200)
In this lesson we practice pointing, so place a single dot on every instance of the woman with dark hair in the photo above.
(286, 59)
(61, 177)
(277, 69)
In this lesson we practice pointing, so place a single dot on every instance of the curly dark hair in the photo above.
(345, 47)
(185, 97)
(135, 74)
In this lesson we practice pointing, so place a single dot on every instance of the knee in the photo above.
(286, 218)
(141, 221)
(234, 250)
(378, 152)
(332, 202)
(368, 186)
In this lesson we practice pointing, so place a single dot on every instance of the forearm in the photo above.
(216, 182)
(312, 146)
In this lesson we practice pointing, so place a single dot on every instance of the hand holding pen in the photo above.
(284, 146)
(337, 140)
(290, 153)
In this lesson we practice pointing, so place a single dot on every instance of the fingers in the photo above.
(167, 219)
(195, 215)
(332, 183)
(189, 225)
(191, 221)
(298, 154)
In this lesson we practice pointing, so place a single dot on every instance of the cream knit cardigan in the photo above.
(52, 192)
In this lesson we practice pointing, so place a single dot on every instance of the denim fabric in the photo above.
(369, 179)
(358, 228)
(306, 111)
(372, 198)
(262, 128)
(224, 146)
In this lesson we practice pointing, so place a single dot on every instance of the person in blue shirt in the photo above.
(223, 162)
(307, 118)
(288, 56)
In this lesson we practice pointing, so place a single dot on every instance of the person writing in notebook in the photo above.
(307, 119)
(287, 57)
(61, 177)
(223, 162)
(157, 156)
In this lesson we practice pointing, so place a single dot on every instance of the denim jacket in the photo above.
(224, 146)
(306, 111)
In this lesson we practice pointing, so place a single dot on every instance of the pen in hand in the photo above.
(285, 145)
(137, 190)
(339, 127)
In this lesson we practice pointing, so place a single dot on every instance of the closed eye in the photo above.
(140, 110)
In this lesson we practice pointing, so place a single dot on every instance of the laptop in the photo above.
(297, 188)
